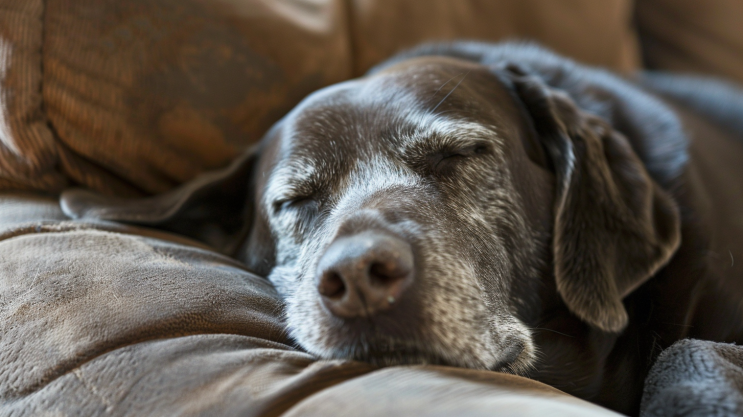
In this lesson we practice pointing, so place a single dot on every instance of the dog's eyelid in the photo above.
(449, 156)
(284, 203)
(471, 149)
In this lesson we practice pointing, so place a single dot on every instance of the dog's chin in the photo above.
(517, 360)
(387, 342)
(400, 356)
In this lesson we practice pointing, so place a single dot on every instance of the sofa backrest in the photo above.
(135, 97)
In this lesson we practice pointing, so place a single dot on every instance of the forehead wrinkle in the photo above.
(390, 104)
(311, 151)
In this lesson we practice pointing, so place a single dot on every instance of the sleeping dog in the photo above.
(488, 206)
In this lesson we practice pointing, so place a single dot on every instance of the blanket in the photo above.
(695, 378)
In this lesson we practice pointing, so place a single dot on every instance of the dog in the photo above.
(488, 206)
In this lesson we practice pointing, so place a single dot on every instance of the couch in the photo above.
(131, 98)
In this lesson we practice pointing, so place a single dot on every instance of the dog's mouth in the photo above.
(413, 355)
(410, 331)
(391, 353)
(385, 351)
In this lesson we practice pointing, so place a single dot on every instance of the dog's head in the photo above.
(422, 213)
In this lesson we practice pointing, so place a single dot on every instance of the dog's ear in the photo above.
(614, 225)
(216, 207)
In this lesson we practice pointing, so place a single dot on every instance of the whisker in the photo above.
(553, 331)
(449, 93)
(444, 84)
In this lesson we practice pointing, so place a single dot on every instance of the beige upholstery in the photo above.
(106, 319)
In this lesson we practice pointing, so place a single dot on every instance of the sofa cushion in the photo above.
(134, 97)
(28, 155)
(443, 391)
(106, 319)
(692, 36)
(145, 94)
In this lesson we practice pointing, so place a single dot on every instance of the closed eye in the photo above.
(295, 203)
(445, 158)
(297, 214)
(469, 151)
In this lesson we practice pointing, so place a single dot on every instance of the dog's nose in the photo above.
(364, 274)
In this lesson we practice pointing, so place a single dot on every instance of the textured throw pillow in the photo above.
(28, 154)
(134, 97)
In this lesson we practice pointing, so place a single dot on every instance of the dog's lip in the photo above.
(363, 340)
(411, 354)
(508, 357)
(382, 351)
(385, 354)
(371, 340)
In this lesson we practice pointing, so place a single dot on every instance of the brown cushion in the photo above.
(155, 92)
(702, 37)
(28, 155)
(595, 32)
(443, 391)
(142, 95)
(97, 319)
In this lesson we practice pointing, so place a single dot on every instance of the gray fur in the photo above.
(717, 99)
(633, 112)
(695, 378)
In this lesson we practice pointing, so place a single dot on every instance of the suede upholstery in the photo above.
(120, 320)
(596, 33)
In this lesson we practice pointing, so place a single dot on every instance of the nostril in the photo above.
(332, 286)
(384, 275)
(363, 274)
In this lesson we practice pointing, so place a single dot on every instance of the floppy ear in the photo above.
(614, 226)
(215, 207)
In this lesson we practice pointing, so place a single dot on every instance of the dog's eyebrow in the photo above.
(437, 134)
(444, 127)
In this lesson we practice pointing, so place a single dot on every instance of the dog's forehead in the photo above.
(402, 105)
